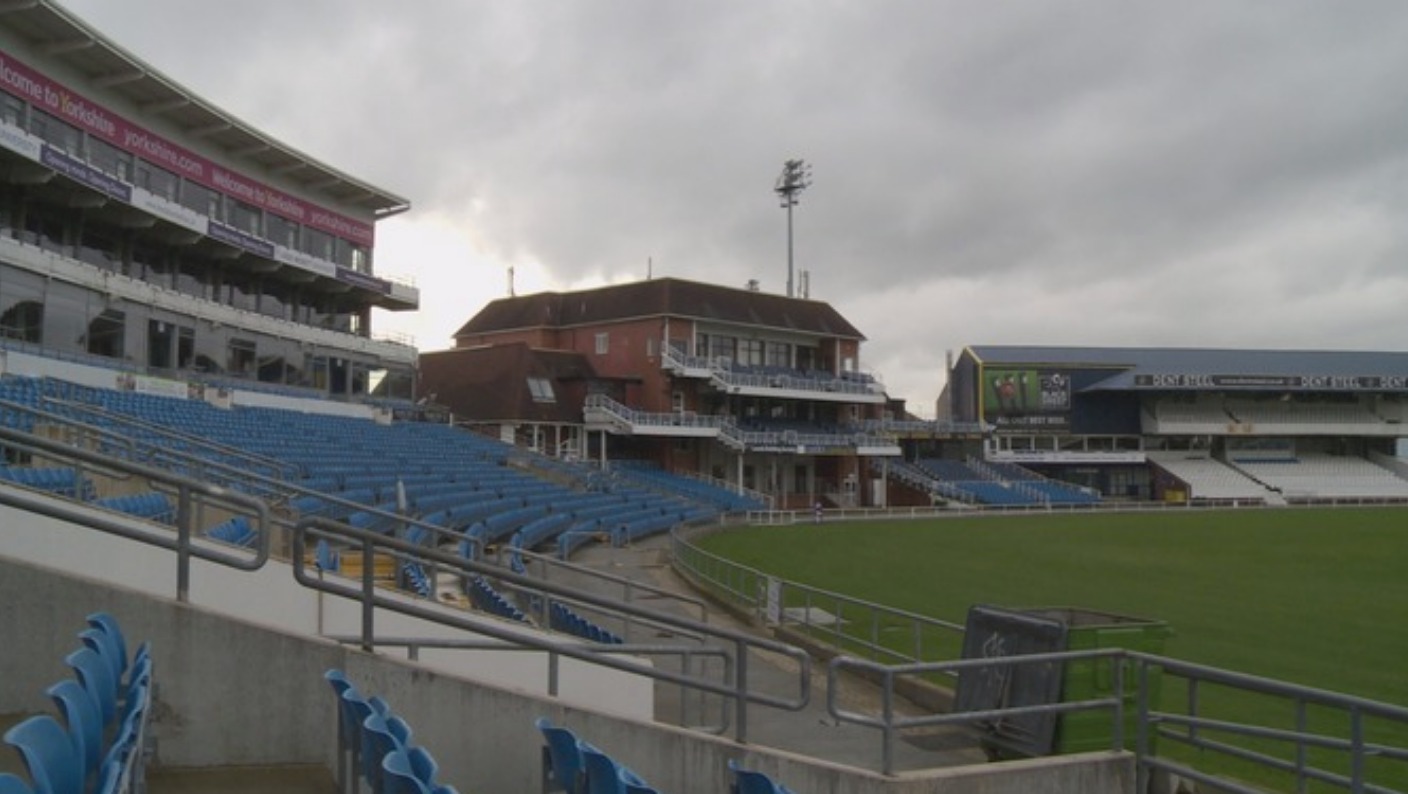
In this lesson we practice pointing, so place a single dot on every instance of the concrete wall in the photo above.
(232, 692)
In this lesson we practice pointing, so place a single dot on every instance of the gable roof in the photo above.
(656, 298)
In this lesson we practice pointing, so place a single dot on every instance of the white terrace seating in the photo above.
(1319, 475)
(1208, 478)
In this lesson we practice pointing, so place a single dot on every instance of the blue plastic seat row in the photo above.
(645, 526)
(485, 597)
(562, 618)
(101, 744)
(151, 505)
(576, 766)
(62, 481)
(235, 531)
(417, 579)
(375, 745)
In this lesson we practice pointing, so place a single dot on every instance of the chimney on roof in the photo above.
(752, 285)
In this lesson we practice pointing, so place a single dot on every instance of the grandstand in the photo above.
(147, 231)
(205, 440)
(1174, 424)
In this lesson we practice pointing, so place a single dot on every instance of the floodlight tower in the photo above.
(796, 176)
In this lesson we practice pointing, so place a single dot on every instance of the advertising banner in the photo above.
(1017, 398)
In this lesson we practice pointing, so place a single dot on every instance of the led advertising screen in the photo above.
(1026, 398)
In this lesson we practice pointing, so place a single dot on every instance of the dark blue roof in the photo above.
(1196, 368)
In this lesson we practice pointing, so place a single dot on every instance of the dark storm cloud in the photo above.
(1206, 173)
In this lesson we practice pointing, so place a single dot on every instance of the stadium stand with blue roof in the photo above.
(1175, 424)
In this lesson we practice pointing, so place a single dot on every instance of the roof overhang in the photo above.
(64, 38)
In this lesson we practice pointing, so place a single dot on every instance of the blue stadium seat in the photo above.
(108, 624)
(127, 741)
(81, 715)
(236, 531)
(354, 710)
(398, 776)
(53, 764)
(103, 644)
(379, 706)
(9, 784)
(423, 765)
(346, 729)
(399, 728)
(325, 557)
(562, 757)
(110, 778)
(377, 742)
(605, 776)
(96, 676)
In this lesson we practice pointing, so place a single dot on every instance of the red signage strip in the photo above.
(20, 80)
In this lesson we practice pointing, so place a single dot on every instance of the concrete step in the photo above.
(281, 779)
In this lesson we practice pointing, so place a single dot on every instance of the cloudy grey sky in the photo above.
(1210, 173)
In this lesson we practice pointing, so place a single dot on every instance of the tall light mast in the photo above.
(796, 176)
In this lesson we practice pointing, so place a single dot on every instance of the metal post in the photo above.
(183, 544)
(1118, 733)
(368, 586)
(627, 596)
(1301, 781)
(1141, 743)
(874, 631)
(1193, 711)
(790, 292)
(796, 176)
(1356, 749)
(887, 763)
(740, 693)
(686, 669)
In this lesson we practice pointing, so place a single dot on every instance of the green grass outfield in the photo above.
(1311, 596)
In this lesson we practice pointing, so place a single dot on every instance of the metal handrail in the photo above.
(629, 586)
(685, 653)
(1150, 720)
(725, 641)
(186, 489)
(746, 587)
(889, 724)
(372, 598)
